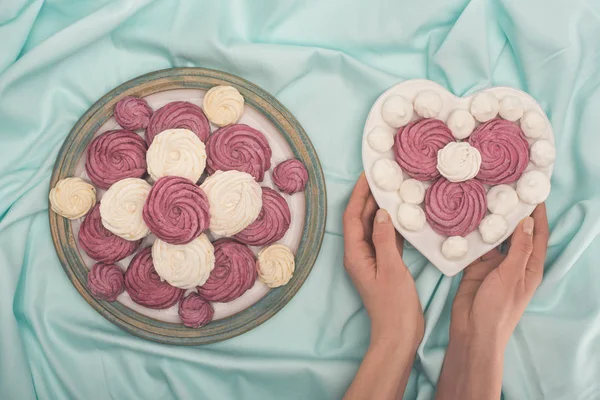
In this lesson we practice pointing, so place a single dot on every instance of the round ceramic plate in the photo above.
(286, 138)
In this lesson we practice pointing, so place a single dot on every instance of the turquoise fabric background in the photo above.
(327, 61)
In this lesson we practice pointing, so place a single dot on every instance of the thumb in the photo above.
(521, 247)
(384, 240)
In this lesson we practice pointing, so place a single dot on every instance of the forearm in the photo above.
(384, 372)
(472, 370)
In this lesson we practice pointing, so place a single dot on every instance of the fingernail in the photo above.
(528, 226)
(382, 216)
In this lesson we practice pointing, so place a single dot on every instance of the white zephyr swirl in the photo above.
(458, 161)
(223, 105)
(176, 152)
(184, 266)
(275, 265)
(72, 198)
(121, 208)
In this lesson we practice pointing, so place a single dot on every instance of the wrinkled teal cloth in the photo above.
(327, 61)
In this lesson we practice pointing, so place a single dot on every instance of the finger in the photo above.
(353, 228)
(541, 233)
(521, 246)
(368, 214)
(473, 277)
(384, 240)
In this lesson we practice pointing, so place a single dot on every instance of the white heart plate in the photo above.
(428, 242)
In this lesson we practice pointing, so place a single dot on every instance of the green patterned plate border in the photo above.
(312, 234)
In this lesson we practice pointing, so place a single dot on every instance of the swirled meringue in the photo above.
(484, 106)
(455, 208)
(511, 108)
(396, 111)
(121, 208)
(235, 200)
(411, 216)
(502, 199)
(455, 248)
(492, 228)
(271, 224)
(412, 191)
(241, 148)
(428, 104)
(290, 176)
(223, 105)
(106, 281)
(234, 272)
(533, 125)
(416, 147)
(458, 161)
(195, 311)
(72, 198)
(176, 152)
(132, 113)
(461, 123)
(115, 155)
(380, 139)
(387, 174)
(145, 287)
(504, 151)
(184, 266)
(101, 244)
(178, 114)
(543, 153)
(176, 210)
(533, 187)
(275, 265)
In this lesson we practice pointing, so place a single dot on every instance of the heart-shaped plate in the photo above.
(428, 242)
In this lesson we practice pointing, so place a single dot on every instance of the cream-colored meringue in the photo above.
(511, 108)
(411, 217)
(461, 123)
(543, 153)
(396, 111)
(458, 161)
(235, 200)
(176, 152)
(387, 174)
(492, 228)
(455, 248)
(502, 199)
(121, 208)
(223, 105)
(275, 265)
(428, 104)
(412, 191)
(484, 106)
(72, 198)
(533, 125)
(184, 266)
(380, 139)
(533, 187)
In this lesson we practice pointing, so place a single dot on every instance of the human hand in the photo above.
(491, 298)
(373, 259)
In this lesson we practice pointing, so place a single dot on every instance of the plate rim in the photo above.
(312, 235)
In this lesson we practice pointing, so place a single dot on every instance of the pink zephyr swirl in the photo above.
(271, 224)
(195, 312)
(234, 272)
(133, 113)
(144, 285)
(416, 146)
(106, 281)
(178, 114)
(115, 155)
(239, 147)
(290, 176)
(455, 209)
(504, 151)
(176, 210)
(101, 244)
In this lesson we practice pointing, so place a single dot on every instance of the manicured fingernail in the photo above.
(382, 216)
(528, 226)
